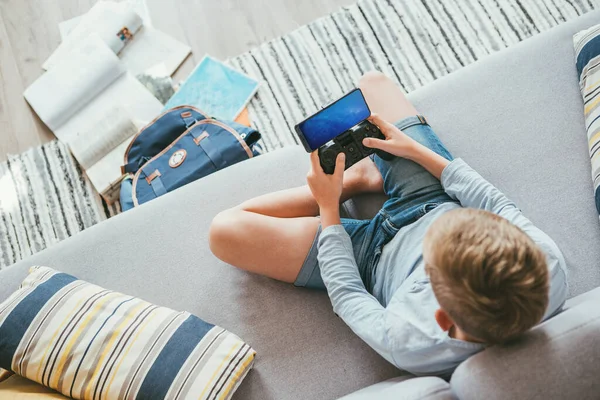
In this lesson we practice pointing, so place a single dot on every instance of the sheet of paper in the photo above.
(139, 6)
(60, 93)
(103, 134)
(106, 19)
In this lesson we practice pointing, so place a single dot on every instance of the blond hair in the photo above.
(486, 273)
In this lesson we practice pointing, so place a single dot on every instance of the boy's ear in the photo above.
(443, 320)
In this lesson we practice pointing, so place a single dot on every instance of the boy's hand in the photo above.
(396, 142)
(326, 189)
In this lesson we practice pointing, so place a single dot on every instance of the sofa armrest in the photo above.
(592, 295)
(405, 388)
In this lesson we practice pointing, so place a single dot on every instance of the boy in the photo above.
(448, 265)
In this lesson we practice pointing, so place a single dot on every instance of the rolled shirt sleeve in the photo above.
(350, 299)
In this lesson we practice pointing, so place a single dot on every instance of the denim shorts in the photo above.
(412, 193)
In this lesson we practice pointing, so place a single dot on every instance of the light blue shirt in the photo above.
(397, 318)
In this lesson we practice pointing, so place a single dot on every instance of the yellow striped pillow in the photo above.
(87, 342)
(587, 59)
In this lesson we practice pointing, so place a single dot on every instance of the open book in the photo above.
(93, 104)
(138, 45)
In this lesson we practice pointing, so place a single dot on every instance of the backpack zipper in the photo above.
(126, 157)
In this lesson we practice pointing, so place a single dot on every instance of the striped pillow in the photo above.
(87, 342)
(587, 54)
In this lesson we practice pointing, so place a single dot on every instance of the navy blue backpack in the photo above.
(180, 146)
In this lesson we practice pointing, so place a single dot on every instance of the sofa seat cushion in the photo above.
(304, 350)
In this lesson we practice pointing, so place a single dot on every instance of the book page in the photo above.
(103, 134)
(105, 174)
(150, 47)
(139, 7)
(61, 92)
(147, 48)
(106, 19)
(67, 26)
(125, 93)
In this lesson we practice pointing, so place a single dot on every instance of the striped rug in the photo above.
(44, 197)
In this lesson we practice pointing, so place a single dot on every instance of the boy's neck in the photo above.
(456, 333)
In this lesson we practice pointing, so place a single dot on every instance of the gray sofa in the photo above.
(515, 116)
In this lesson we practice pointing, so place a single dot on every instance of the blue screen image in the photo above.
(335, 119)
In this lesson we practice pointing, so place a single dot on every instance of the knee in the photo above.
(222, 233)
(372, 78)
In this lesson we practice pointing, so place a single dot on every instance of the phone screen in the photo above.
(335, 119)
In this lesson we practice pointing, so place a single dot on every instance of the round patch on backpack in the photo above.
(177, 158)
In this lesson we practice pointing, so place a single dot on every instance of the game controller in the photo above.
(350, 143)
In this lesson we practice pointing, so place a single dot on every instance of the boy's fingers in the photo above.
(381, 123)
(340, 165)
(374, 118)
(377, 120)
(314, 161)
(375, 143)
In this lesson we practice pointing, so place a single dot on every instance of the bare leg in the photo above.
(272, 234)
(384, 97)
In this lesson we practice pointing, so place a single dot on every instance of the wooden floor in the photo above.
(223, 28)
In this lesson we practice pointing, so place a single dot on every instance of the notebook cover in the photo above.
(216, 89)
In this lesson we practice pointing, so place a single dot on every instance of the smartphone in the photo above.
(333, 120)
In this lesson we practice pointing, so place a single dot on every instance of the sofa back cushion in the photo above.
(559, 359)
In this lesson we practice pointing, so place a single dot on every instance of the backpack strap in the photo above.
(129, 168)
(203, 140)
(154, 180)
(188, 118)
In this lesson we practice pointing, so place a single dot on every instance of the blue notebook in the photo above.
(216, 89)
